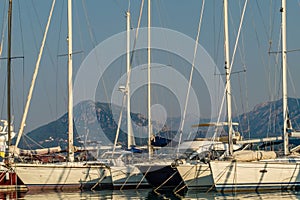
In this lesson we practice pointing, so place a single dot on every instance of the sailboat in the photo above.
(124, 173)
(61, 175)
(174, 173)
(155, 171)
(196, 173)
(234, 175)
(9, 181)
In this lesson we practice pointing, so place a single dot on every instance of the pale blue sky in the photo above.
(261, 25)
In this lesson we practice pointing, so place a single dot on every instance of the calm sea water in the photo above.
(146, 194)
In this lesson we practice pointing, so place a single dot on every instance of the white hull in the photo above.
(196, 176)
(127, 177)
(253, 176)
(62, 176)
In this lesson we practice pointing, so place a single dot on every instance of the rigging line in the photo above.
(137, 32)
(242, 50)
(293, 84)
(31, 25)
(49, 52)
(124, 42)
(34, 76)
(118, 126)
(232, 60)
(80, 33)
(191, 76)
(57, 83)
(275, 52)
(163, 20)
(236, 72)
(214, 31)
(261, 57)
(163, 24)
(269, 120)
(272, 18)
(65, 54)
(94, 43)
(261, 17)
(32, 140)
(241, 96)
(218, 41)
(237, 37)
(216, 49)
(3, 96)
(135, 40)
(236, 108)
(91, 33)
(3, 27)
(13, 57)
(277, 56)
(22, 42)
(269, 76)
(41, 29)
(128, 78)
(277, 62)
(247, 105)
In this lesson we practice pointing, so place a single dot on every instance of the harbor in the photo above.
(149, 112)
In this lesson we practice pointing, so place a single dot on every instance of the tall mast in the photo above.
(149, 80)
(70, 85)
(9, 73)
(284, 77)
(228, 86)
(130, 137)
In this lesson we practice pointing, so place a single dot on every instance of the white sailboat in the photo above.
(195, 173)
(63, 175)
(192, 173)
(124, 173)
(267, 174)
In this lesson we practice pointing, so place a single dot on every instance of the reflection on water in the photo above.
(262, 196)
(147, 194)
(104, 194)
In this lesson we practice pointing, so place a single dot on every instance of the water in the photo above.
(146, 194)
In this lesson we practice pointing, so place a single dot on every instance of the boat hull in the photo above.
(63, 176)
(9, 181)
(162, 176)
(231, 176)
(196, 176)
(128, 177)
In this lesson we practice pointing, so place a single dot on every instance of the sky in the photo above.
(256, 76)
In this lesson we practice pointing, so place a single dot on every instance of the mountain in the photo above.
(96, 123)
(266, 119)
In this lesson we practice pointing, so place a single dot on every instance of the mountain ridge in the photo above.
(95, 123)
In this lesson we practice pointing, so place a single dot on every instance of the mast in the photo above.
(9, 75)
(130, 137)
(37, 66)
(70, 85)
(284, 78)
(228, 86)
(149, 81)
